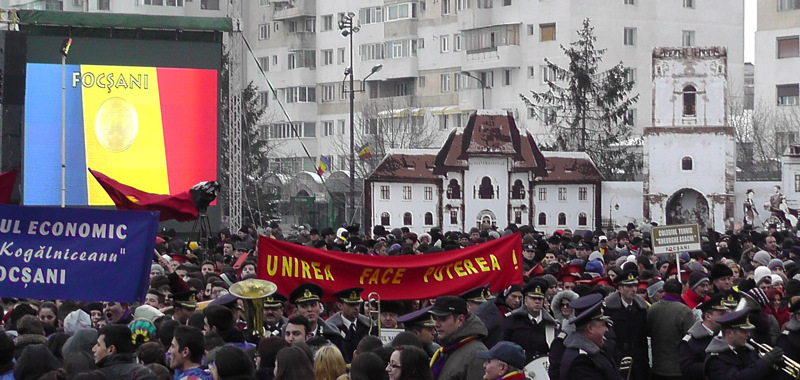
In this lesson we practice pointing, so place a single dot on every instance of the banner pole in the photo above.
(678, 263)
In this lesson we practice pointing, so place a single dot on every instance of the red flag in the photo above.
(7, 182)
(179, 206)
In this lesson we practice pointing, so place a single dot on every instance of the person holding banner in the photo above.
(530, 326)
(349, 320)
(307, 299)
(460, 336)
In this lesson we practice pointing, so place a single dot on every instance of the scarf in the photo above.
(672, 297)
(516, 375)
(440, 356)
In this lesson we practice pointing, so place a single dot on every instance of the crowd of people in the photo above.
(592, 305)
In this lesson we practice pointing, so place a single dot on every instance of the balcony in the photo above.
(294, 9)
(492, 58)
(400, 28)
(301, 41)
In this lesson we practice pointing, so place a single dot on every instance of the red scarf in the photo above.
(516, 375)
(440, 356)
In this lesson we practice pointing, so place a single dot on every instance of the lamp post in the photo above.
(483, 86)
(64, 51)
(348, 29)
(611, 208)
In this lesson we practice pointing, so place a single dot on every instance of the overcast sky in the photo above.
(749, 29)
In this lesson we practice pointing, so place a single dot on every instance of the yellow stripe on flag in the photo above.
(122, 126)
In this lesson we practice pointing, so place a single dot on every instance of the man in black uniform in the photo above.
(481, 303)
(692, 349)
(628, 311)
(421, 324)
(350, 321)
(530, 326)
(789, 340)
(585, 358)
(306, 297)
(729, 357)
(274, 320)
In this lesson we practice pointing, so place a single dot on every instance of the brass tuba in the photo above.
(252, 292)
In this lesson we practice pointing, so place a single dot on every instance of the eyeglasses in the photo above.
(394, 365)
(563, 305)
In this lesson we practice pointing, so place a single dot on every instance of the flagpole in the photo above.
(64, 50)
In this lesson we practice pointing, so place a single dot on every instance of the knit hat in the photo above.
(760, 273)
(551, 280)
(720, 270)
(76, 320)
(595, 266)
(697, 278)
(147, 312)
(776, 278)
(142, 331)
(158, 268)
(596, 255)
(762, 257)
(759, 296)
(774, 263)
(653, 289)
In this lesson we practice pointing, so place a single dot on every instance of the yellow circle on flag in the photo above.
(116, 124)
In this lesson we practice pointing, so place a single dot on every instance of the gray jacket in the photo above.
(667, 324)
(463, 364)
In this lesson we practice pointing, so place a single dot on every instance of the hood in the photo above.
(523, 312)
(82, 341)
(568, 294)
(579, 342)
(472, 326)
(698, 331)
(614, 301)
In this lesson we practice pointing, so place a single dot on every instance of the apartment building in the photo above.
(193, 8)
(777, 52)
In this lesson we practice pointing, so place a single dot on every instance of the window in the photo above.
(582, 193)
(489, 38)
(485, 3)
(486, 189)
(407, 219)
(428, 193)
(341, 55)
(531, 71)
(342, 126)
(543, 194)
(686, 163)
(531, 112)
(209, 4)
(548, 74)
(327, 128)
(549, 116)
(630, 75)
(457, 44)
(518, 190)
(445, 82)
(562, 194)
(385, 219)
(630, 117)
(506, 77)
(287, 130)
(370, 15)
(406, 193)
(453, 190)
(428, 218)
(263, 3)
(688, 3)
(327, 57)
(277, 26)
(788, 47)
(506, 3)
(787, 94)
(518, 216)
(541, 219)
(547, 32)
(787, 5)
(420, 43)
(302, 58)
(300, 94)
(582, 219)
(328, 92)
(445, 43)
(562, 219)
(274, 60)
(103, 5)
(263, 98)
(263, 32)
(384, 191)
(688, 38)
(630, 2)
(689, 101)
(797, 183)
(327, 23)
(421, 81)
(264, 63)
(445, 7)
(400, 11)
(454, 216)
(629, 38)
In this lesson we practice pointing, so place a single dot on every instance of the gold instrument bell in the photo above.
(252, 291)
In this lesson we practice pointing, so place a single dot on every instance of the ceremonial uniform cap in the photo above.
(474, 295)
(731, 299)
(351, 296)
(716, 302)
(182, 295)
(628, 277)
(736, 320)
(305, 293)
(587, 309)
(420, 318)
(274, 300)
(536, 288)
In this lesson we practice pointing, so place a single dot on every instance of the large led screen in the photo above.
(153, 128)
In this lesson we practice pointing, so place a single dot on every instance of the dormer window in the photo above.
(689, 101)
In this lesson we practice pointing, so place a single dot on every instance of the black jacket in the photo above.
(722, 363)
(789, 340)
(533, 338)
(583, 360)
(350, 340)
(493, 320)
(630, 329)
(692, 351)
(124, 367)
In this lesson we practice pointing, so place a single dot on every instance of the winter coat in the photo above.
(563, 322)
(630, 330)
(35, 361)
(534, 338)
(668, 321)
(490, 315)
(722, 363)
(124, 367)
(350, 341)
(692, 351)
(462, 364)
(25, 340)
(789, 340)
(583, 360)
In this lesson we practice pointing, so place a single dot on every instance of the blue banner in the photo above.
(76, 254)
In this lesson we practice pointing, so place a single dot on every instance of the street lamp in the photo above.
(483, 86)
(348, 29)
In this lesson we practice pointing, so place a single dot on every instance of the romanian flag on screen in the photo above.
(152, 128)
(364, 152)
(324, 164)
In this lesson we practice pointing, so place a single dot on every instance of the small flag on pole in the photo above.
(364, 151)
(324, 164)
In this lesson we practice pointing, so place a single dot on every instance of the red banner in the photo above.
(497, 262)
(179, 206)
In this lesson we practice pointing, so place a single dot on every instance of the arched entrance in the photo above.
(486, 216)
(688, 206)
